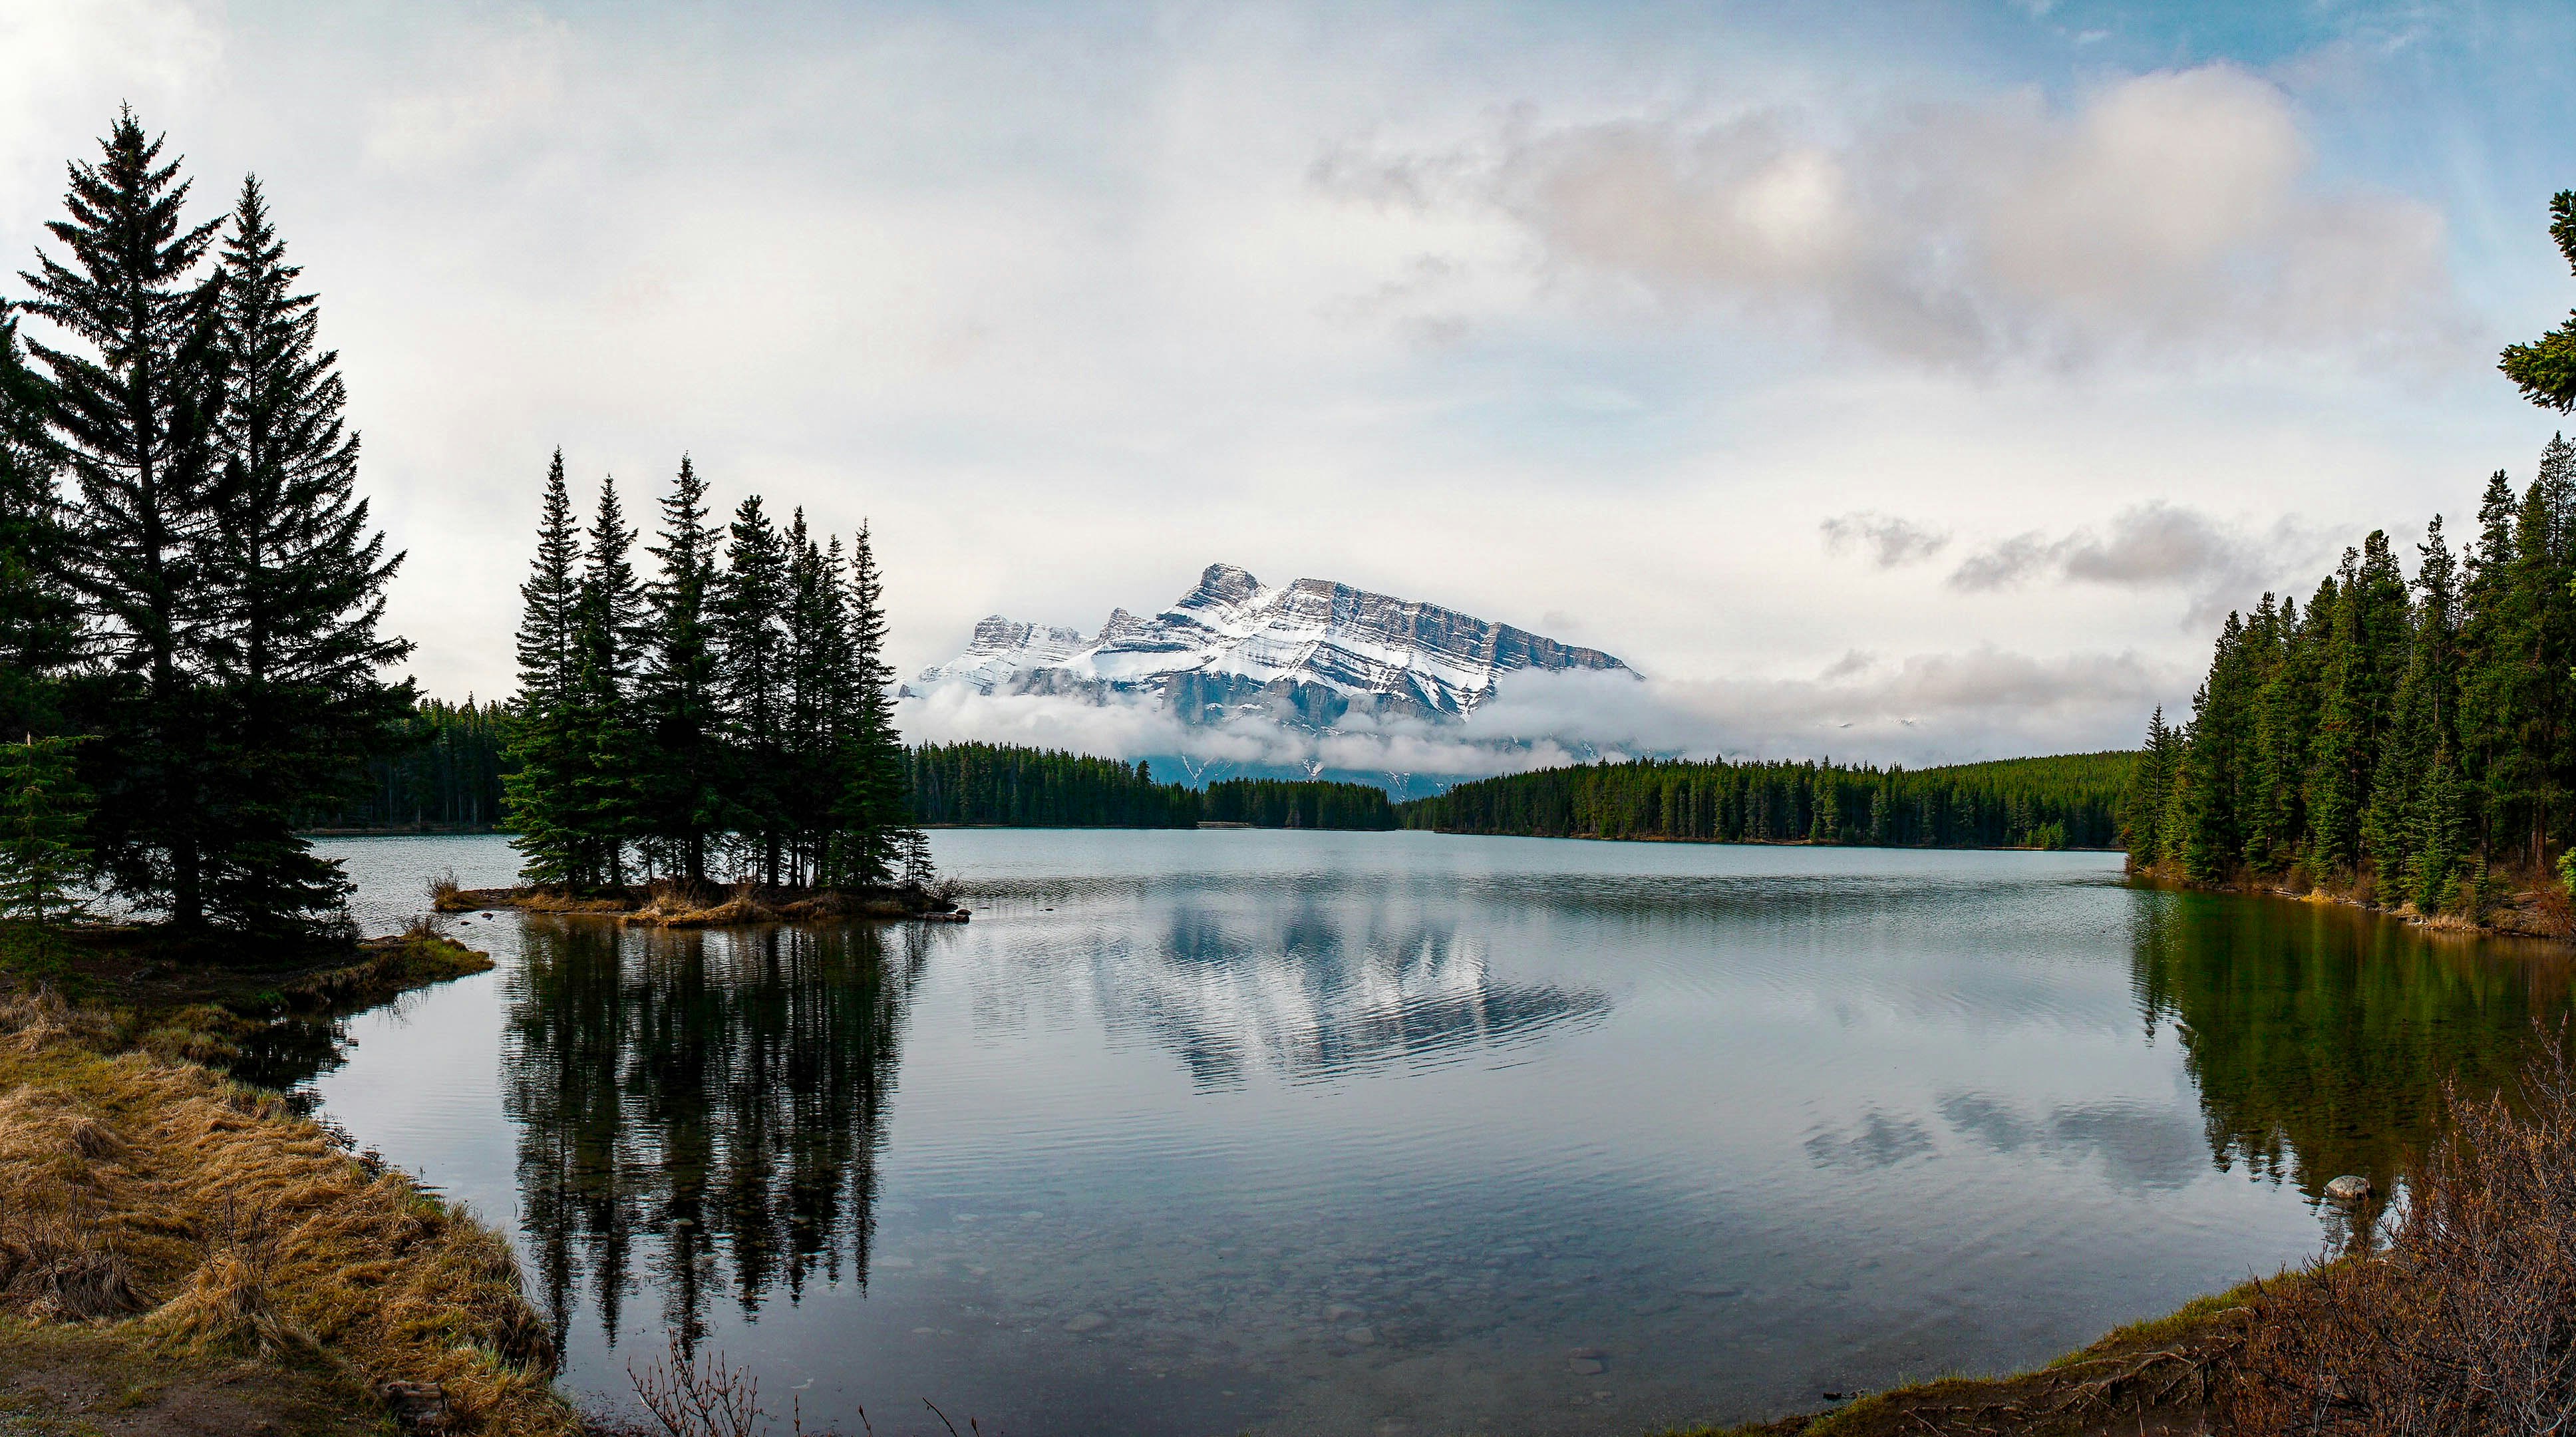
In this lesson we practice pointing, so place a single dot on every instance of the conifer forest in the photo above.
(2067, 802)
(2408, 737)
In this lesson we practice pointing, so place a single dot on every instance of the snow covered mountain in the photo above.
(1307, 655)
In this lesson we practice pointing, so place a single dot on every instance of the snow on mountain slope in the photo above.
(1308, 655)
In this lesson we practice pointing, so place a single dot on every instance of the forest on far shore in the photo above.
(452, 775)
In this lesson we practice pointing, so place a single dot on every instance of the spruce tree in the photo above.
(2545, 369)
(39, 627)
(2141, 810)
(875, 792)
(2365, 648)
(545, 747)
(683, 801)
(44, 814)
(299, 578)
(134, 417)
(606, 753)
(750, 625)
(2530, 774)
(2487, 657)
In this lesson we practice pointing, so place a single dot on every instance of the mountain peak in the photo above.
(1307, 655)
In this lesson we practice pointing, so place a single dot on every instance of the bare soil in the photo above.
(58, 1381)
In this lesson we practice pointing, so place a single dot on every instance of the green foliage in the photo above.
(44, 814)
(446, 771)
(2069, 801)
(2545, 369)
(1008, 786)
(1274, 803)
(2410, 737)
(731, 715)
(1016, 787)
(186, 573)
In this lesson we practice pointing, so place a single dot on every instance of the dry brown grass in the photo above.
(2466, 1321)
(205, 1217)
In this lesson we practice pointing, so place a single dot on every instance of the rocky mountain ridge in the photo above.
(1310, 655)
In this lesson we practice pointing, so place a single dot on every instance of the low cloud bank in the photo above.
(1926, 708)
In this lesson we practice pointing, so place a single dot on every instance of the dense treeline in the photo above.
(190, 588)
(1017, 787)
(1011, 786)
(2398, 734)
(2065, 802)
(730, 716)
(1278, 803)
(447, 773)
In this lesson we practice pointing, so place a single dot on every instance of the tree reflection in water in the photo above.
(2319, 1036)
(700, 1112)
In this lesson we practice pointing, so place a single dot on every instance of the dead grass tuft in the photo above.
(135, 1183)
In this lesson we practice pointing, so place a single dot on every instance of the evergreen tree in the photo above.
(2285, 717)
(2142, 810)
(43, 821)
(39, 627)
(750, 626)
(875, 805)
(134, 420)
(294, 647)
(813, 657)
(2365, 649)
(605, 757)
(2205, 803)
(2545, 369)
(2529, 771)
(542, 804)
(683, 802)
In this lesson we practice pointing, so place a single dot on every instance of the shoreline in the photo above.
(180, 1249)
(2527, 908)
(293, 1337)
(664, 905)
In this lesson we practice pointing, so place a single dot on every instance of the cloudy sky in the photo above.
(1898, 381)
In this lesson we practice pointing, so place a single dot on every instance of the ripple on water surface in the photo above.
(1326, 1132)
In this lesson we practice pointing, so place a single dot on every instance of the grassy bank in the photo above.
(2169, 1376)
(180, 1252)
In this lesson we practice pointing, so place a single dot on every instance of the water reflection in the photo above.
(700, 1113)
(2319, 1037)
(1310, 1132)
(1315, 996)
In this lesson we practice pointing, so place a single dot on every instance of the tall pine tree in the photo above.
(295, 648)
(751, 611)
(541, 794)
(135, 416)
(683, 802)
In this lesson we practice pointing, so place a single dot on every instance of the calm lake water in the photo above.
(1375, 1133)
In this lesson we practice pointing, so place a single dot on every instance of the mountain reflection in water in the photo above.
(1313, 1000)
(1310, 1131)
(701, 1114)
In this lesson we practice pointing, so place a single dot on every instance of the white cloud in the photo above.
(2174, 216)
(1926, 708)
(1892, 542)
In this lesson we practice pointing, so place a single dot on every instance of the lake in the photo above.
(1201, 1132)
